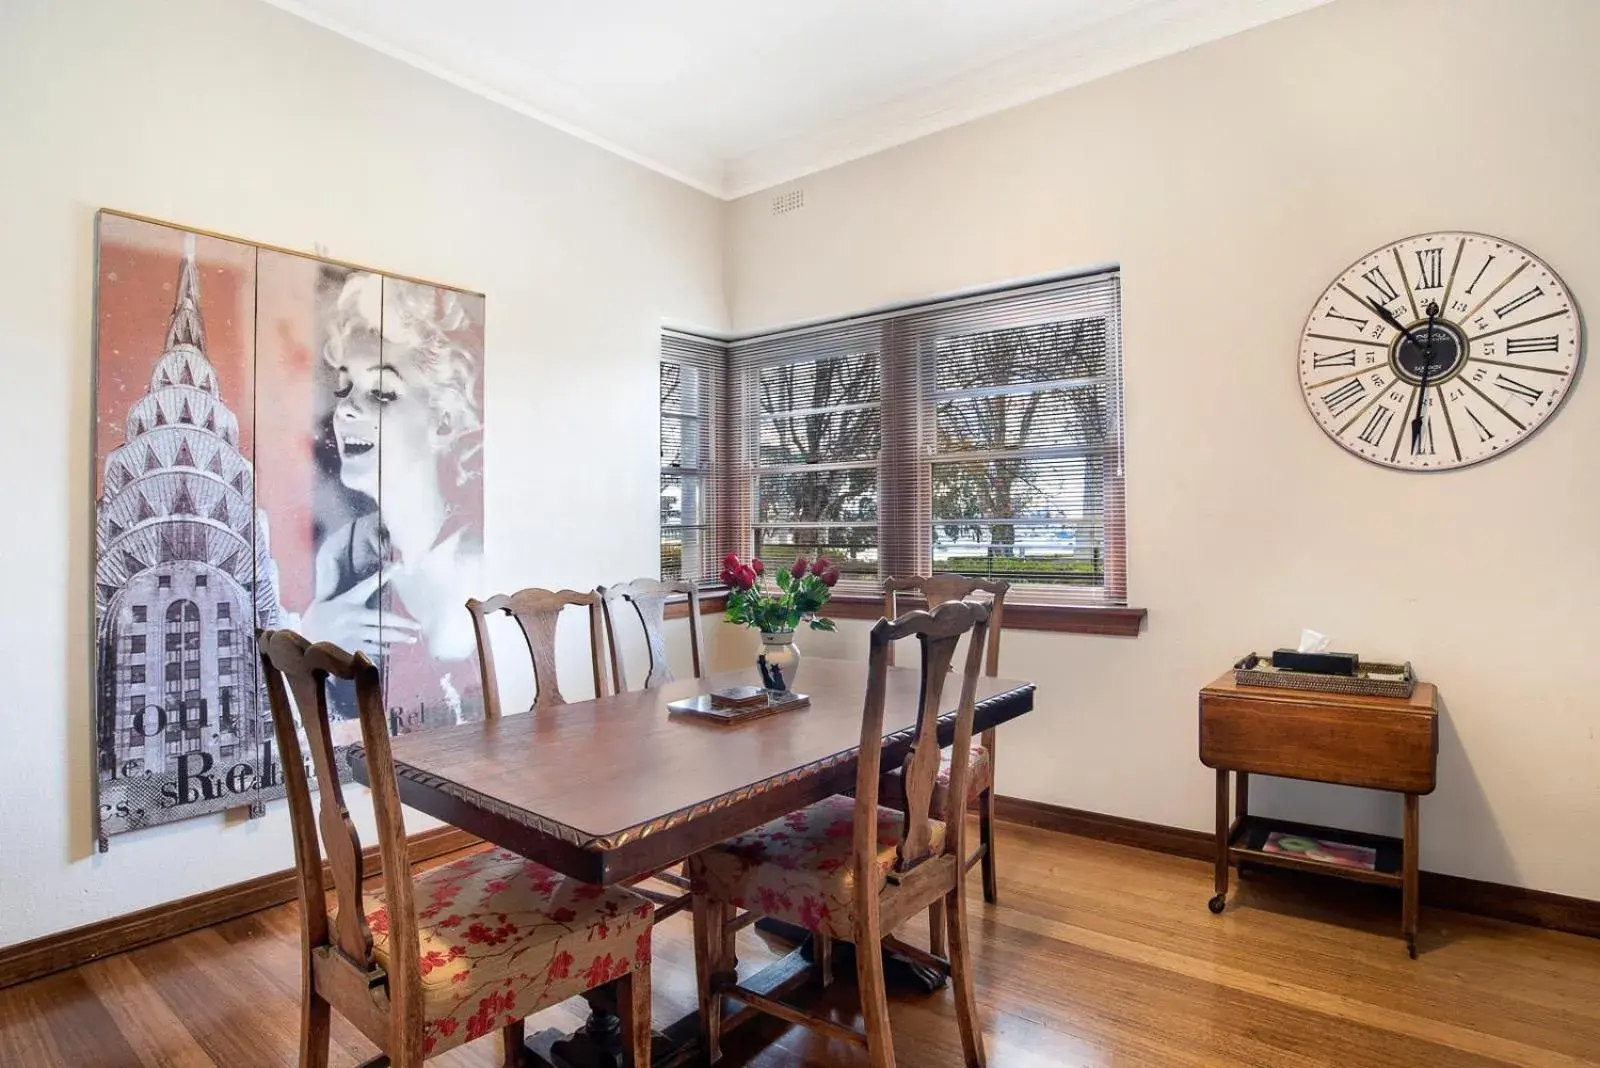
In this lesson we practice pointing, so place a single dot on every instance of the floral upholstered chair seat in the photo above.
(798, 868)
(980, 777)
(501, 935)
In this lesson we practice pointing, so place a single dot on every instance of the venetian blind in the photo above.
(1021, 398)
(807, 412)
(693, 408)
(980, 435)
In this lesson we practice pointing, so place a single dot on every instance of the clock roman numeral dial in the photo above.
(1505, 350)
(1380, 282)
(1512, 365)
(1342, 398)
(1377, 424)
(1516, 346)
(1480, 375)
(1479, 276)
(1518, 326)
(1469, 314)
(1455, 272)
(1411, 295)
(1518, 389)
(1425, 444)
(1450, 426)
(1421, 447)
(1531, 295)
(1430, 269)
(1335, 313)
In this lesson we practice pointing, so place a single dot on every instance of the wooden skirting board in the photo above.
(1539, 908)
(68, 949)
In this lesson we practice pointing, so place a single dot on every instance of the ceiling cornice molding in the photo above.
(1164, 28)
(704, 175)
(1151, 31)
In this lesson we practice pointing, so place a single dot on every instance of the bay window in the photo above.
(980, 434)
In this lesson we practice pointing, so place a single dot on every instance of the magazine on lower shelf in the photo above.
(1321, 850)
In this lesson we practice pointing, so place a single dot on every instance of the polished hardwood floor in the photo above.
(1097, 955)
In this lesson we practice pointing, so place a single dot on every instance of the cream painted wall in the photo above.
(1233, 183)
(233, 116)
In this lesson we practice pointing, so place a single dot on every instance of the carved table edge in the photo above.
(616, 840)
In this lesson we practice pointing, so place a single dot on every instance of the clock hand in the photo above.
(1427, 361)
(1387, 316)
(1422, 395)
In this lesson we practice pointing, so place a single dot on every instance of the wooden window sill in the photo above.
(712, 601)
(1058, 618)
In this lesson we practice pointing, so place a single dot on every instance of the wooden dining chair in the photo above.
(648, 597)
(537, 613)
(937, 590)
(438, 959)
(852, 868)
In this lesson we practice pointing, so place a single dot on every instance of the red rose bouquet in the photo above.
(802, 589)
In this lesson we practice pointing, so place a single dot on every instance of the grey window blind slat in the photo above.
(810, 425)
(693, 402)
(1021, 403)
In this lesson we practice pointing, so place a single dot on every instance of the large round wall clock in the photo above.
(1439, 351)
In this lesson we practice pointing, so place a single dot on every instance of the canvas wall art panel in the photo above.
(281, 440)
(371, 400)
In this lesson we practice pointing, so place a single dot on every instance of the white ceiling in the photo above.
(732, 96)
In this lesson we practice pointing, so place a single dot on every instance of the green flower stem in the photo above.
(796, 601)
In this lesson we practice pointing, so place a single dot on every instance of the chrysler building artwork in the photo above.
(246, 402)
(179, 587)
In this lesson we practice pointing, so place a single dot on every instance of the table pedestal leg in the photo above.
(1409, 908)
(1220, 901)
(899, 971)
(597, 1044)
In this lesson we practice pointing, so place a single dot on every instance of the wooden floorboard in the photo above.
(1098, 955)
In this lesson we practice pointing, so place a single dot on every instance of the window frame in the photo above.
(707, 359)
(937, 324)
(905, 347)
(746, 380)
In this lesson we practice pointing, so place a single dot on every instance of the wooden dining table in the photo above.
(619, 787)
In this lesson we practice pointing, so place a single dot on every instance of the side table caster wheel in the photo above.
(1220, 902)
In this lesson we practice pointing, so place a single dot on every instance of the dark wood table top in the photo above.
(610, 789)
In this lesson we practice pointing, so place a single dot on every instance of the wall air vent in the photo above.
(787, 203)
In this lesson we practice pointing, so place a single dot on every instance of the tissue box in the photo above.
(1321, 663)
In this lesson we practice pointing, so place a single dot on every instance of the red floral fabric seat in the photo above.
(798, 868)
(502, 936)
(980, 777)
